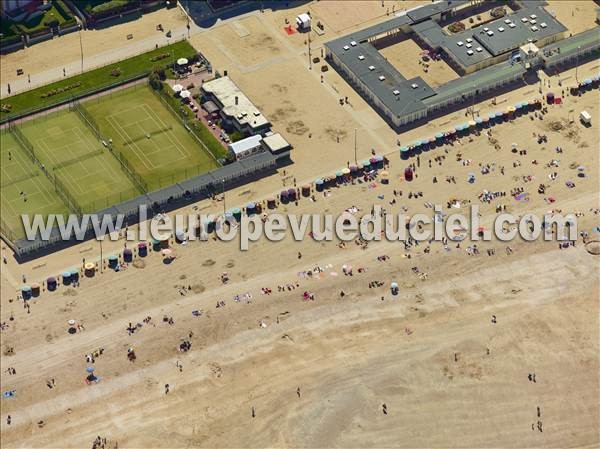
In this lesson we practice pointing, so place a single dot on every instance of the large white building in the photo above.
(235, 108)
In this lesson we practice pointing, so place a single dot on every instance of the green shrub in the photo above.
(155, 82)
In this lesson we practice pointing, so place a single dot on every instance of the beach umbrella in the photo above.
(394, 285)
(472, 124)
(71, 322)
(90, 369)
(166, 252)
(89, 266)
(346, 171)
(177, 87)
(439, 136)
(319, 182)
(185, 94)
(66, 274)
(26, 288)
(182, 61)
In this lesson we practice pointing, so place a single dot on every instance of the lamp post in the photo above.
(355, 157)
(223, 186)
(81, 47)
(577, 63)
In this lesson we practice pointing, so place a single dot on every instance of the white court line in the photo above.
(180, 147)
(133, 145)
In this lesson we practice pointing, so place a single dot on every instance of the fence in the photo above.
(87, 118)
(182, 115)
(135, 177)
(86, 93)
(59, 187)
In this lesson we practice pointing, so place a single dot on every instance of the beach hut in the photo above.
(51, 283)
(271, 203)
(366, 165)
(408, 174)
(379, 161)
(415, 148)
(550, 98)
(155, 244)
(237, 214)
(180, 236)
(164, 240)
(394, 288)
(66, 277)
(250, 209)
(339, 177)
(319, 184)
(491, 118)
(113, 261)
(35, 289)
(127, 255)
(142, 249)
(306, 190)
(26, 291)
(511, 112)
(384, 177)
(74, 274)
(292, 194)
(89, 269)
(479, 122)
(499, 117)
(404, 153)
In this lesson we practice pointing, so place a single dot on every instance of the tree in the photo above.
(155, 82)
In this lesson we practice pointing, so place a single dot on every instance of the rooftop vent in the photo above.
(512, 25)
(414, 85)
(361, 57)
(460, 43)
(501, 29)
(534, 28)
(486, 29)
(353, 43)
(346, 48)
(371, 67)
(396, 92)
(469, 52)
(381, 77)
(533, 22)
(469, 40)
(490, 33)
(469, 45)
(533, 16)
(479, 49)
(524, 20)
(507, 21)
(543, 25)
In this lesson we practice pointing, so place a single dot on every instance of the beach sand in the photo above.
(423, 353)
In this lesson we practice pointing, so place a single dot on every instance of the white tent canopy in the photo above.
(185, 94)
(177, 87)
(182, 61)
(303, 21)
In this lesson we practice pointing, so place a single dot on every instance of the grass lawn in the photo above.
(19, 174)
(67, 147)
(154, 142)
(94, 79)
(38, 22)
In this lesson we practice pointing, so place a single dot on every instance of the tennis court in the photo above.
(72, 153)
(150, 137)
(25, 189)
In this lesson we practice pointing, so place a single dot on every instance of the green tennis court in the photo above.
(154, 142)
(24, 187)
(72, 153)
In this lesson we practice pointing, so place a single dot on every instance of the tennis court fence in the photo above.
(59, 187)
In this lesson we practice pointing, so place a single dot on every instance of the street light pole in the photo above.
(577, 63)
(355, 157)
(223, 185)
(81, 47)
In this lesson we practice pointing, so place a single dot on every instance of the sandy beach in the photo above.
(495, 349)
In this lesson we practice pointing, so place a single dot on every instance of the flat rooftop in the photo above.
(514, 30)
(226, 91)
